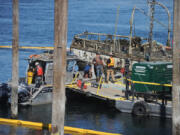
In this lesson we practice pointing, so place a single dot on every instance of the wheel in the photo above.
(140, 108)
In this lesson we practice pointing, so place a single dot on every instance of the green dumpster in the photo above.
(153, 72)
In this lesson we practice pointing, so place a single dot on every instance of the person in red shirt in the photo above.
(39, 74)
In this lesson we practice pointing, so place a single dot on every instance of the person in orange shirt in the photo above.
(39, 74)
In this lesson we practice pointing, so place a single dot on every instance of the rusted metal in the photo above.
(60, 34)
(131, 23)
(15, 60)
(176, 70)
(169, 20)
(122, 46)
(102, 43)
(115, 32)
(151, 28)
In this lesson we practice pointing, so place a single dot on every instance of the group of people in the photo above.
(35, 73)
(107, 67)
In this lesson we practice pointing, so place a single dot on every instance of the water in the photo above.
(36, 29)
(97, 116)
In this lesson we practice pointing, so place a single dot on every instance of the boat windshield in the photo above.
(70, 65)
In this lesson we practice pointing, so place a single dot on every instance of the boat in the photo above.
(132, 47)
(33, 95)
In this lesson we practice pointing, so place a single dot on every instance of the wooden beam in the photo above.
(15, 60)
(60, 39)
(176, 70)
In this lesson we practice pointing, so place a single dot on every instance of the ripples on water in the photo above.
(36, 29)
(91, 115)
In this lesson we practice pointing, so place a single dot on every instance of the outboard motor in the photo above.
(23, 92)
(4, 92)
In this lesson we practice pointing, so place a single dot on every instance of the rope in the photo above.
(150, 83)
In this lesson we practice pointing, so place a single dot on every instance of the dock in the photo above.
(114, 95)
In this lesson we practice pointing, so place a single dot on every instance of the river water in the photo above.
(36, 29)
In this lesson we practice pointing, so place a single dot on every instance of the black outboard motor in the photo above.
(23, 92)
(4, 89)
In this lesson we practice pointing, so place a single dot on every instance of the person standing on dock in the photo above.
(110, 66)
(87, 71)
(39, 74)
(98, 64)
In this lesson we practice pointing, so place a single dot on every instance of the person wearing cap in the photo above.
(98, 64)
(39, 74)
(110, 66)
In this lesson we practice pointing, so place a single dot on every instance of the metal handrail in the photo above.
(99, 86)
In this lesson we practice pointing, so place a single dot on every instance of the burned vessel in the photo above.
(88, 44)
(131, 46)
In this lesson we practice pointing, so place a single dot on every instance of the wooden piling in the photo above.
(15, 60)
(59, 73)
(176, 70)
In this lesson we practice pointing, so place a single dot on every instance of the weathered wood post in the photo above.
(176, 70)
(15, 60)
(60, 41)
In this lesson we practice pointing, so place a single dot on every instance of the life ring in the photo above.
(34, 55)
(141, 108)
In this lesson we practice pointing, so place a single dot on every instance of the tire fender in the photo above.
(141, 108)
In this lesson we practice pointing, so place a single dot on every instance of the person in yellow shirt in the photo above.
(110, 70)
(30, 75)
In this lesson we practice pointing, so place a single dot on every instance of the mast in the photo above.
(116, 24)
(152, 5)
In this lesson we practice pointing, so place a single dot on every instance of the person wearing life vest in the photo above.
(30, 75)
(39, 74)
(110, 66)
